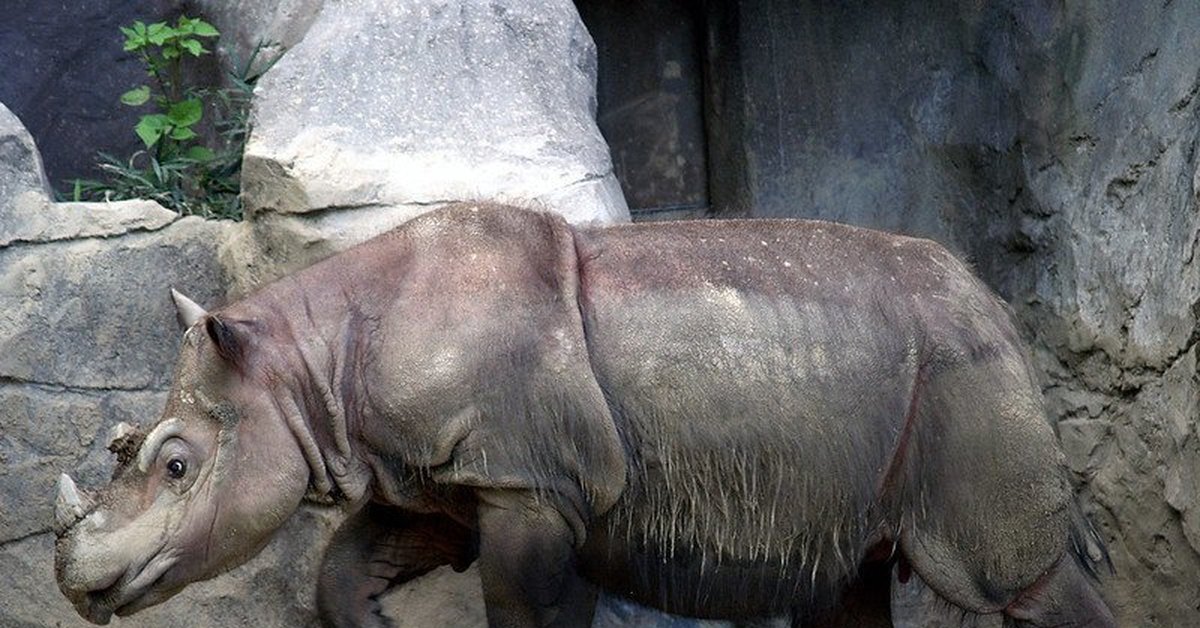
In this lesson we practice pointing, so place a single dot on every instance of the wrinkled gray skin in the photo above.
(719, 419)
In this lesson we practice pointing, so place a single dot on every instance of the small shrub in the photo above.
(176, 167)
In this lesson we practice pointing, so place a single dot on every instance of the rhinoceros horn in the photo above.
(71, 506)
(187, 310)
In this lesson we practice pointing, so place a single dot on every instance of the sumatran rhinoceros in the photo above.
(723, 419)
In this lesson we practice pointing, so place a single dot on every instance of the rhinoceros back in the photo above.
(763, 375)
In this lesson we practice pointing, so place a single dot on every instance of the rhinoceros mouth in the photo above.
(128, 593)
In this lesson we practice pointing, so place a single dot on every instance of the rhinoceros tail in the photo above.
(1087, 546)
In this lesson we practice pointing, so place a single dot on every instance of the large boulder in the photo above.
(22, 180)
(385, 110)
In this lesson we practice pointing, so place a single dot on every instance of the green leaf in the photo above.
(170, 53)
(136, 96)
(159, 32)
(182, 133)
(134, 39)
(185, 113)
(139, 27)
(151, 128)
(200, 153)
(193, 46)
(204, 29)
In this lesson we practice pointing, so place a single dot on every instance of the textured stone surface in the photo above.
(31, 219)
(244, 24)
(450, 101)
(1056, 146)
(401, 107)
(22, 179)
(64, 73)
(94, 313)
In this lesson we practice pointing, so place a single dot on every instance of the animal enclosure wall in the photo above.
(1053, 144)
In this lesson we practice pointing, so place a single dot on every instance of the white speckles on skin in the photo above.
(725, 296)
(819, 359)
(787, 264)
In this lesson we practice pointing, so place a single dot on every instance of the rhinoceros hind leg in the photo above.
(1063, 596)
(378, 548)
(983, 505)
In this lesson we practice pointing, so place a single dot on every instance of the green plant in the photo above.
(177, 167)
(162, 48)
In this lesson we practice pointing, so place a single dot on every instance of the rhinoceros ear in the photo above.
(187, 311)
(231, 338)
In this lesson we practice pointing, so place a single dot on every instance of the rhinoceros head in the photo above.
(198, 493)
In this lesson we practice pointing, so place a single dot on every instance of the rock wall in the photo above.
(379, 112)
(1055, 145)
(87, 339)
(64, 72)
(384, 110)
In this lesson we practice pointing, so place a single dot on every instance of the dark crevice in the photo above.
(25, 537)
(8, 380)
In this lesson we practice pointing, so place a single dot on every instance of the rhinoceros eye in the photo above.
(176, 468)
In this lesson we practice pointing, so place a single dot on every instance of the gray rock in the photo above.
(64, 73)
(93, 313)
(277, 25)
(31, 219)
(22, 180)
(403, 106)
(386, 104)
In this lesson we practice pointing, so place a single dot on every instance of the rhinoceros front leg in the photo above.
(378, 548)
(527, 564)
